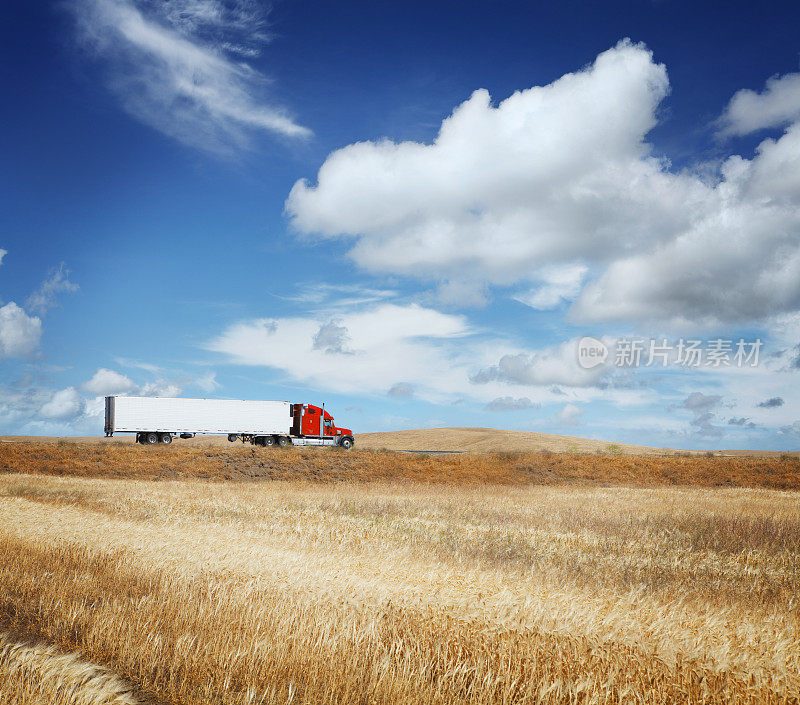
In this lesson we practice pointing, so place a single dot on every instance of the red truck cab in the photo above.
(310, 420)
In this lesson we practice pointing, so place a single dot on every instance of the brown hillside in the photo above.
(324, 465)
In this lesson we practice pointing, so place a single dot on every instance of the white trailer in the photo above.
(267, 423)
(166, 416)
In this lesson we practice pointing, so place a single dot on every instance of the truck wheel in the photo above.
(284, 442)
(166, 438)
(232, 437)
(268, 441)
(151, 438)
(346, 443)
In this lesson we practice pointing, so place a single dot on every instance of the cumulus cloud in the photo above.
(179, 67)
(65, 404)
(741, 421)
(778, 104)
(107, 382)
(495, 193)
(511, 404)
(46, 296)
(771, 403)
(558, 178)
(3, 253)
(19, 332)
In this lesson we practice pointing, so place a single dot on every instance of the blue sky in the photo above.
(413, 213)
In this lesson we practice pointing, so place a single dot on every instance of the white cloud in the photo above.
(107, 382)
(19, 332)
(559, 284)
(560, 177)
(739, 263)
(207, 383)
(778, 104)
(46, 296)
(28, 409)
(160, 388)
(404, 350)
(501, 191)
(553, 365)
(386, 344)
(66, 404)
(570, 415)
(178, 67)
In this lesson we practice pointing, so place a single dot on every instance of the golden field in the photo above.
(193, 575)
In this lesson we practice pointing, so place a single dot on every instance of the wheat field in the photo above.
(393, 590)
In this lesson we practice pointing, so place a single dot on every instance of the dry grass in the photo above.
(36, 674)
(385, 592)
(492, 440)
(237, 462)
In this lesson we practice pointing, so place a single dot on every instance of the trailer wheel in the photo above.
(151, 438)
(284, 442)
(346, 443)
(268, 441)
(232, 437)
(166, 438)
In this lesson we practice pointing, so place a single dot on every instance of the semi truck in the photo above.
(263, 423)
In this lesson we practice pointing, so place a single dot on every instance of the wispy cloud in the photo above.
(46, 296)
(179, 67)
